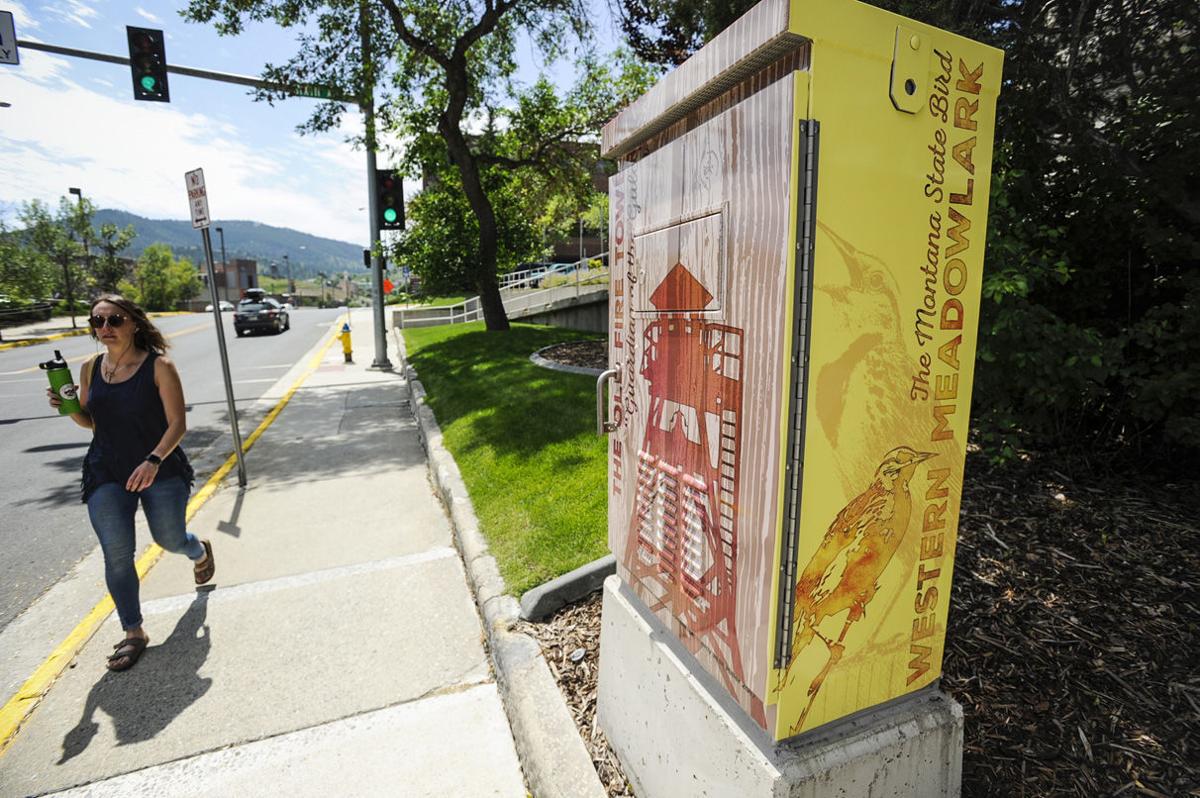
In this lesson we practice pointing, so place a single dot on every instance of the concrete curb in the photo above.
(552, 752)
(18, 342)
(545, 599)
(538, 360)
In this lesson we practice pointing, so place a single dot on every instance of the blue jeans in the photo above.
(112, 508)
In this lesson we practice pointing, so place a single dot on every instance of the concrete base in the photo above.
(677, 732)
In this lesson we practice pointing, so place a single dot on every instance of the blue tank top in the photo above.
(128, 422)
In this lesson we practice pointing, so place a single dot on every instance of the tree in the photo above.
(668, 31)
(25, 274)
(160, 281)
(440, 219)
(59, 239)
(447, 65)
(108, 270)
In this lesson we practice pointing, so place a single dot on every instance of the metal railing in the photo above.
(522, 292)
(470, 310)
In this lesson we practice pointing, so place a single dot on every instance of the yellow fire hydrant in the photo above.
(347, 350)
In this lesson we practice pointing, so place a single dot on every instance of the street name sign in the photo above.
(312, 90)
(197, 197)
(8, 39)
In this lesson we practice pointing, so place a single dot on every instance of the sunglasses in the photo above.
(114, 321)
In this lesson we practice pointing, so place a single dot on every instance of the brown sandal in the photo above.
(127, 653)
(205, 572)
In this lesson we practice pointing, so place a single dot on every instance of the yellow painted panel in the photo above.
(901, 218)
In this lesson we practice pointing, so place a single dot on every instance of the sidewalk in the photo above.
(338, 651)
(38, 331)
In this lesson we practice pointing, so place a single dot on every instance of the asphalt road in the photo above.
(44, 529)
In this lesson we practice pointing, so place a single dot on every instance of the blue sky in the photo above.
(74, 122)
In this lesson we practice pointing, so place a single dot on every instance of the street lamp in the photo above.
(291, 282)
(78, 192)
(324, 279)
(224, 264)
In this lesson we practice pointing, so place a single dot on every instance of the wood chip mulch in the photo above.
(1073, 644)
(587, 354)
(570, 642)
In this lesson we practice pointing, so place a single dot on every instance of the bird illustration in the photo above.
(862, 391)
(844, 571)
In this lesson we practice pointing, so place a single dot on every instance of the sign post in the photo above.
(198, 201)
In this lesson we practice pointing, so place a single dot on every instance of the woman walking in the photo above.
(133, 402)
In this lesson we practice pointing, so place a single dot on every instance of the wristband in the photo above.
(153, 459)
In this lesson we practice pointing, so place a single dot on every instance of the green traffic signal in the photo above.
(148, 64)
(389, 199)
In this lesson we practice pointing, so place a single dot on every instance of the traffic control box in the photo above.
(797, 227)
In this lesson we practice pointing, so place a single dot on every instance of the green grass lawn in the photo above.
(525, 440)
(429, 301)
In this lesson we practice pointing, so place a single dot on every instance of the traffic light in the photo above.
(148, 63)
(389, 199)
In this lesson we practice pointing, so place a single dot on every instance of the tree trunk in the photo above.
(494, 317)
(449, 124)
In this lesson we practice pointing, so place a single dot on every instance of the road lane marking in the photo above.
(244, 382)
(25, 700)
(81, 331)
(81, 358)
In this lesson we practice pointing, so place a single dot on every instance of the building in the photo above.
(233, 278)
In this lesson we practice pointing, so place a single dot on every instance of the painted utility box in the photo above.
(797, 233)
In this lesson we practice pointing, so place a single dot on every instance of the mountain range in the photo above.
(308, 254)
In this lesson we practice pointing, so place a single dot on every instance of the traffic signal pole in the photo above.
(299, 90)
(367, 103)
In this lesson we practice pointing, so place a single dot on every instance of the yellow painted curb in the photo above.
(32, 341)
(23, 702)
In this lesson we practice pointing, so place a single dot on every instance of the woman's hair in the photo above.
(146, 335)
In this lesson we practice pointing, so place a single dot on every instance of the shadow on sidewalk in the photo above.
(147, 698)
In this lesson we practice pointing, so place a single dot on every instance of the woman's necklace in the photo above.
(110, 372)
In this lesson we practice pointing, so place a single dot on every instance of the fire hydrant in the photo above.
(347, 350)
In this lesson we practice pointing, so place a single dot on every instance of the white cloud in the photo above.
(73, 11)
(132, 155)
(144, 14)
(21, 18)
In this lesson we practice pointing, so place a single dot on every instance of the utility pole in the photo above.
(224, 264)
(367, 103)
(291, 282)
(78, 192)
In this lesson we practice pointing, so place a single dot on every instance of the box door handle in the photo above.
(603, 424)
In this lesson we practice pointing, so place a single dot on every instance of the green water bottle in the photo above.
(61, 383)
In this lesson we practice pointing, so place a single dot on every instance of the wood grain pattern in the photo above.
(715, 200)
(757, 38)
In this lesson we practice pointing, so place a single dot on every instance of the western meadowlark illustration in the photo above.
(844, 571)
(862, 393)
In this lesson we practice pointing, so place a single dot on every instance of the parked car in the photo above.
(266, 314)
(225, 306)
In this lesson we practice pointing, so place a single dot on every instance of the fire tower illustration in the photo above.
(796, 227)
(687, 481)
